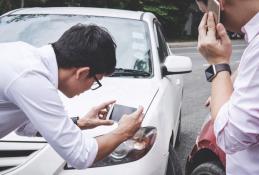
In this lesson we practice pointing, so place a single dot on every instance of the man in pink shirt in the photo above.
(234, 107)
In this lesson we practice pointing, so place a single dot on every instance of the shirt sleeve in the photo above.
(26, 129)
(236, 126)
(34, 94)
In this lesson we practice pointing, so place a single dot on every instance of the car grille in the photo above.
(13, 154)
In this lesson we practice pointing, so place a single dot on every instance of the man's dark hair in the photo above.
(86, 46)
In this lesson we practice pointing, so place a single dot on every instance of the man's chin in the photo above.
(70, 95)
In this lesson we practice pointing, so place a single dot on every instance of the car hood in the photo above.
(126, 91)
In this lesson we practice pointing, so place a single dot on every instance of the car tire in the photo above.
(173, 165)
(209, 168)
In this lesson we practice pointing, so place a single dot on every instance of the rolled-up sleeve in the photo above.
(235, 131)
(236, 126)
(34, 94)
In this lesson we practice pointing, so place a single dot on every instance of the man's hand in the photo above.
(215, 49)
(127, 127)
(96, 116)
(129, 124)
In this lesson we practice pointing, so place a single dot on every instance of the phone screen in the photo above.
(117, 111)
(214, 6)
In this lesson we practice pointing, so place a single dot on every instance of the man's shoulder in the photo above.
(16, 43)
(19, 57)
(16, 48)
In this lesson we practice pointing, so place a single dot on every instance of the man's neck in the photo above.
(249, 9)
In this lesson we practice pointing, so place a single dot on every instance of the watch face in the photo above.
(210, 72)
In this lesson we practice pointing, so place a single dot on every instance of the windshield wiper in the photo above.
(129, 72)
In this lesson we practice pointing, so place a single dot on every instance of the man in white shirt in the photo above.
(234, 107)
(29, 84)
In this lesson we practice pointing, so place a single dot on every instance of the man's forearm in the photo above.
(107, 143)
(221, 90)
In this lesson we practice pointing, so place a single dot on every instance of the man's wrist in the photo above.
(81, 124)
(120, 134)
(218, 61)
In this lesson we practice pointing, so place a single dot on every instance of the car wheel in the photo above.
(173, 165)
(209, 168)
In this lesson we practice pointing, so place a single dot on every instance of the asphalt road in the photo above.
(196, 91)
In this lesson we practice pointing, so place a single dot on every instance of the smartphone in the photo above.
(214, 6)
(116, 111)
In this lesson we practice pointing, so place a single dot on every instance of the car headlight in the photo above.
(132, 149)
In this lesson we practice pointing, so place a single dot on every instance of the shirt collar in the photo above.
(251, 29)
(49, 59)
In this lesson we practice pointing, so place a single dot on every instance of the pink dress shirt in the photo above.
(237, 124)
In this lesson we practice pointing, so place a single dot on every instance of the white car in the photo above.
(147, 74)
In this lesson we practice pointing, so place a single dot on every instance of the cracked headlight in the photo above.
(132, 149)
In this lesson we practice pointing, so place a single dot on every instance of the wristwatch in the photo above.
(75, 119)
(212, 71)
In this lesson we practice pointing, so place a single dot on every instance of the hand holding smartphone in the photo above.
(116, 111)
(210, 5)
(214, 6)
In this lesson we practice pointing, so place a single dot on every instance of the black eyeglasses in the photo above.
(96, 84)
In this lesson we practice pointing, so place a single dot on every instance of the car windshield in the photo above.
(131, 36)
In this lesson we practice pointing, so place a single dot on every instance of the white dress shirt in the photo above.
(28, 94)
(237, 124)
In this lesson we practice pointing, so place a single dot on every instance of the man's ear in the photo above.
(82, 72)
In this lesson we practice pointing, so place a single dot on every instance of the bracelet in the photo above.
(75, 119)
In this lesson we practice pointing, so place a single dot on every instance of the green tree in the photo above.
(6, 5)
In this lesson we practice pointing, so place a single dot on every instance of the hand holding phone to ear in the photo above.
(214, 49)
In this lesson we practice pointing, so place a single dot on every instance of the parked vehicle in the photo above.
(147, 74)
(206, 158)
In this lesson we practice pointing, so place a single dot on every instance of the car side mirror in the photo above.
(177, 65)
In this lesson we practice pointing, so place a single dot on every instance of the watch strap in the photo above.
(222, 67)
(75, 119)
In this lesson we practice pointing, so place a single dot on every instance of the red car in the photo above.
(206, 158)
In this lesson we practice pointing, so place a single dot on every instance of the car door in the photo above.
(171, 85)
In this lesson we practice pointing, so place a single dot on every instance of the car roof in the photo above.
(80, 11)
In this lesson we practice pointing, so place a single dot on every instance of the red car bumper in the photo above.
(205, 149)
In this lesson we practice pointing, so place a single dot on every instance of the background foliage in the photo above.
(172, 14)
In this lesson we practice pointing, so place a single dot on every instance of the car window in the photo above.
(131, 36)
(162, 47)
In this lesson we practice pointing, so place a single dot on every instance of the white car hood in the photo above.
(126, 91)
